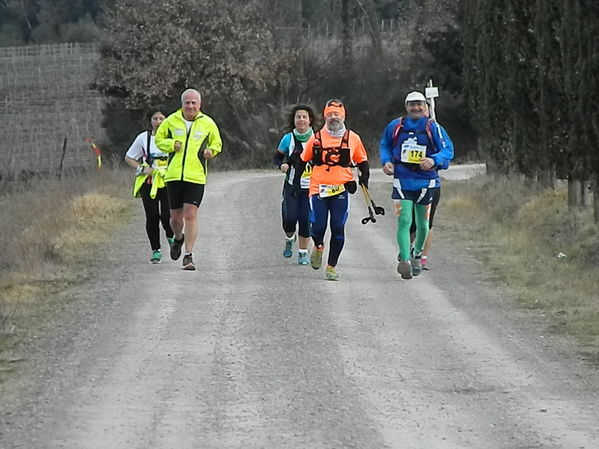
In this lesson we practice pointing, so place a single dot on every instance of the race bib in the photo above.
(411, 152)
(328, 190)
(159, 163)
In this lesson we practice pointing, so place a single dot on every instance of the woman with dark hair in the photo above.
(150, 165)
(295, 205)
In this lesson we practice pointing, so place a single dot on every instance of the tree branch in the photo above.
(375, 31)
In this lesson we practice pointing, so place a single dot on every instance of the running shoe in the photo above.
(170, 241)
(156, 255)
(404, 267)
(176, 248)
(424, 263)
(331, 274)
(316, 257)
(302, 258)
(416, 262)
(288, 251)
(188, 263)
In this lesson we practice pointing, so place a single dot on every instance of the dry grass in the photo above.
(519, 231)
(47, 227)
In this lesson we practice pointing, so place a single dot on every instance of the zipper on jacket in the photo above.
(186, 143)
(185, 151)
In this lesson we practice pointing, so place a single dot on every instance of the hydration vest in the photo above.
(399, 126)
(297, 150)
(423, 136)
(331, 156)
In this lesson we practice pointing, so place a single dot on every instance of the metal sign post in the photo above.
(431, 93)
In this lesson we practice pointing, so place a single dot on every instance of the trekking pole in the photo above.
(378, 210)
(370, 213)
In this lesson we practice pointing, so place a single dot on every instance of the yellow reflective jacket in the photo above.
(188, 164)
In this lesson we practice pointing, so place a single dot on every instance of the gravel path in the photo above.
(254, 351)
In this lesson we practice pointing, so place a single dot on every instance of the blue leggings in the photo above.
(295, 211)
(338, 208)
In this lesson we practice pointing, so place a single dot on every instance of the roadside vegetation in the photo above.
(545, 253)
(50, 231)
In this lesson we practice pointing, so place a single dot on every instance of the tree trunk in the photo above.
(547, 177)
(574, 193)
(347, 44)
(374, 27)
(595, 187)
(27, 21)
(301, 39)
(584, 193)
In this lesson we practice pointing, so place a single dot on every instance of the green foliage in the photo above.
(84, 30)
(44, 21)
(532, 79)
(10, 35)
(445, 65)
(249, 68)
(153, 50)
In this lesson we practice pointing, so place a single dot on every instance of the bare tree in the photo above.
(374, 27)
(25, 8)
(347, 36)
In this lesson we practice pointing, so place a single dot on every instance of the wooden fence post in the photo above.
(64, 151)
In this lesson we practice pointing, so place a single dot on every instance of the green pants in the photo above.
(404, 210)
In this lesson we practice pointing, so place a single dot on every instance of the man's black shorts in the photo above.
(180, 192)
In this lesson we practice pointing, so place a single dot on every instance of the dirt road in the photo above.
(254, 351)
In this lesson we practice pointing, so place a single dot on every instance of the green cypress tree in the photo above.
(552, 130)
(520, 88)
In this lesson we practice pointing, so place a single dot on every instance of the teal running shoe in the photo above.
(416, 262)
(302, 259)
(288, 251)
(156, 257)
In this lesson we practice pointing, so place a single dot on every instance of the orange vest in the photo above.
(328, 172)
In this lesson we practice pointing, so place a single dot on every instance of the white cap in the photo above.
(415, 96)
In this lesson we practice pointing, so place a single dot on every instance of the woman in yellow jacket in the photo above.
(150, 164)
(191, 138)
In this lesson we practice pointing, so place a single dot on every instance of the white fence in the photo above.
(45, 96)
(359, 28)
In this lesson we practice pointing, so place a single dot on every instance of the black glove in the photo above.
(277, 160)
(364, 173)
(351, 186)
